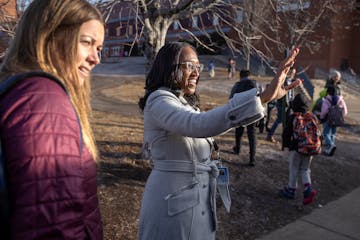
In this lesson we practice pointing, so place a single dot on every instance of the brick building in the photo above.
(122, 27)
(338, 35)
(8, 16)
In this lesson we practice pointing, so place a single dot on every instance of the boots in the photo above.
(287, 192)
(309, 195)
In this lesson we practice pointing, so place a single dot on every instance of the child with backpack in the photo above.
(333, 110)
(302, 137)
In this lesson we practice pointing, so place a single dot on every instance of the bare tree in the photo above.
(154, 17)
(10, 10)
(255, 25)
(7, 24)
(298, 23)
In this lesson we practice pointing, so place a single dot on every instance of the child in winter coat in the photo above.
(329, 131)
(299, 162)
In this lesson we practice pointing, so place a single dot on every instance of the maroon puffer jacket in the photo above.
(52, 185)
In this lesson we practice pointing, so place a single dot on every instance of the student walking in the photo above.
(245, 84)
(231, 68)
(329, 131)
(302, 137)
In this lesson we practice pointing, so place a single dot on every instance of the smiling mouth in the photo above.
(192, 81)
(84, 72)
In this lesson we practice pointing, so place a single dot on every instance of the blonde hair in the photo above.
(46, 39)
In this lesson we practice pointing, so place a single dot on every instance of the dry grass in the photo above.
(256, 208)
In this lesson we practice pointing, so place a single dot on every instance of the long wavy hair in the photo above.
(46, 40)
(166, 72)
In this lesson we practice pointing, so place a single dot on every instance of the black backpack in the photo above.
(335, 116)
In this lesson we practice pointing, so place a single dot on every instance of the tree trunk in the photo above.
(154, 40)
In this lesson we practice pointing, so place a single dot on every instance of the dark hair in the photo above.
(244, 73)
(165, 72)
(300, 104)
(330, 90)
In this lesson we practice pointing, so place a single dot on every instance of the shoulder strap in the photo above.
(13, 80)
(335, 100)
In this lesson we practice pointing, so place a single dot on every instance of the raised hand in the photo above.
(276, 89)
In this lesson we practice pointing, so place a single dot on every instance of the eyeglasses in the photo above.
(190, 66)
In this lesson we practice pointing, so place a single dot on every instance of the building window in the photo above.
(115, 51)
(118, 31)
(195, 21)
(291, 5)
(105, 52)
(176, 25)
(239, 16)
(215, 21)
(130, 30)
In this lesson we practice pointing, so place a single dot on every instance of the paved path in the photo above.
(338, 220)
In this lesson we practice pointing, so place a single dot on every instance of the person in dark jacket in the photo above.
(334, 81)
(48, 145)
(298, 163)
(245, 84)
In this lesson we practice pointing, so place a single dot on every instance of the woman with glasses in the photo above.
(179, 197)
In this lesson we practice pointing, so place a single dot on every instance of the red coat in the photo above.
(52, 185)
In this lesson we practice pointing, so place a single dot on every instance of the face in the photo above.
(336, 78)
(189, 64)
(91, 37)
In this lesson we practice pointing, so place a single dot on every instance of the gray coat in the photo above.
(179, 197)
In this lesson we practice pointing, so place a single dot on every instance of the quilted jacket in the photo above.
(51, 174)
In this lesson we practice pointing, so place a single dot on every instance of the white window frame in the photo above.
(130, 29)
(195, 20)
(215, 20)
(289, 5)
(115, 51)
(239, 16)
(118, 31)
(176, 25)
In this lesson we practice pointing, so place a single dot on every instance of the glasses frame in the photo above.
(191, 66)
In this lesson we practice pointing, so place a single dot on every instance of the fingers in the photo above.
(290, 60)
(294, 84)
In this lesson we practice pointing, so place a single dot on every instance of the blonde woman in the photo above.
(47, 142)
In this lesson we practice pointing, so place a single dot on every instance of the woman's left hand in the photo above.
(276, 89)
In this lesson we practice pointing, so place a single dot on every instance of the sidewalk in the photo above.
(338, 220)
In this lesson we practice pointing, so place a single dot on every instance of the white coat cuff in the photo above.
(246, 108)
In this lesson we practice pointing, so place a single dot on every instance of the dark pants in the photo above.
(268, 117)
(251, 136)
